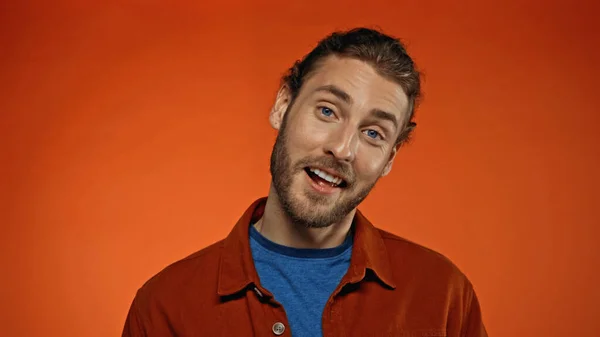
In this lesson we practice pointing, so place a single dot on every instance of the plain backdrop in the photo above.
(134, 133)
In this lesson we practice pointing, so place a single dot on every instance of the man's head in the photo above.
(342, 113)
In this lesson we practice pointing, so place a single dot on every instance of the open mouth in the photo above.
(323, 178)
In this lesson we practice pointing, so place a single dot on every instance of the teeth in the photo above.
(328, 177)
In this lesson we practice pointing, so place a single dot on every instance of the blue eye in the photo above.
(326, 111)
(372, 133)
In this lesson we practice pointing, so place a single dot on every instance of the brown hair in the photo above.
(385, 53)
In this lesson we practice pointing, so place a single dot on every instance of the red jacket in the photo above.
(393, 287)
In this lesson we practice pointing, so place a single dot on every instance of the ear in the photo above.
(282, 101)
(388, 165)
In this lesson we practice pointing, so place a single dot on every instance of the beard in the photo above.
(312, 213)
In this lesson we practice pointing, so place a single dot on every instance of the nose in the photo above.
(342, 144)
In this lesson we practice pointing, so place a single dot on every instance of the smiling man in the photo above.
(303, 261)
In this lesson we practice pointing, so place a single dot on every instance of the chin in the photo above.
(313, 213)
(311, 207)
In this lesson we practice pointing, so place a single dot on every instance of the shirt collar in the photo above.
(236, 266)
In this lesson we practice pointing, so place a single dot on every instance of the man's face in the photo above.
(335, 141)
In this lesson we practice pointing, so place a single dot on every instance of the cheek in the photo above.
(369, 166)
(307, 134)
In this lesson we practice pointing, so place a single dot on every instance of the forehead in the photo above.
(365, 86)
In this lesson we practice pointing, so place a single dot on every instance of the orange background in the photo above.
(135, 134)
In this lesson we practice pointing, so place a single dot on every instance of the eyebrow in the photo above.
(336, 91)
(344, 96)
(380, 114)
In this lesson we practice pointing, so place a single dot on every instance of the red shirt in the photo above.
(393, 287)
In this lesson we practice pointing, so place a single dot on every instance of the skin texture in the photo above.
(345, 119)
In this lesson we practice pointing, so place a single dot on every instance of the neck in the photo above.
(277, 226)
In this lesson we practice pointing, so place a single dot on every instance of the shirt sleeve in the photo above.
(473, 323)
(134, 326)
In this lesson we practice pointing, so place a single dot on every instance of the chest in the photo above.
(366, 309)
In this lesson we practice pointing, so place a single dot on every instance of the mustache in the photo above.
(342, 168)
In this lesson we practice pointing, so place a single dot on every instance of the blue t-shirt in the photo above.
(302, 280)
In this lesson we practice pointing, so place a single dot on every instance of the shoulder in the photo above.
(196, 272)
(422, 263)
(428, 274)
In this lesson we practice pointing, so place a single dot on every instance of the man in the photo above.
(304, 261)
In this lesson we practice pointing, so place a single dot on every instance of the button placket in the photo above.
(270, 309)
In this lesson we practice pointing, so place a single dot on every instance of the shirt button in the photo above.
(278, 328)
